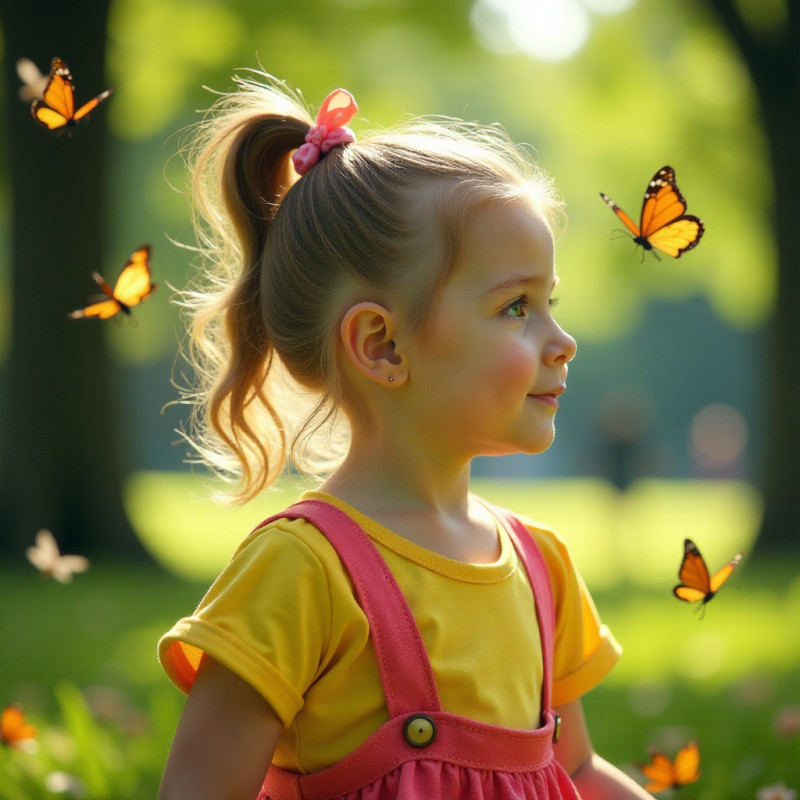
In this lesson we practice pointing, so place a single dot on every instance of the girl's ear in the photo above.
(367, 332)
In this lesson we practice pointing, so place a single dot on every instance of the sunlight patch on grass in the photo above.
(721, 517)
(187, 532)
(737, 638)
(635, 537)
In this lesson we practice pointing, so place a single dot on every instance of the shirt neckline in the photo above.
(493, 572)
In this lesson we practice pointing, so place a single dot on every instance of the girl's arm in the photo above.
(224, 742)
(594, 777)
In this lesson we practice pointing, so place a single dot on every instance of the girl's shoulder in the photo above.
(290, 539)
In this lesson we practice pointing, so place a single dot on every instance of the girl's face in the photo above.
(486, 373)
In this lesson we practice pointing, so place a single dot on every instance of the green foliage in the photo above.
(658, 84)
(97, 746)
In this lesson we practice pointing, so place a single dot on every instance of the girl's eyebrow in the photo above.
(519, 281)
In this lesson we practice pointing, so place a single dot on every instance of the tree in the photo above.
(59, 464)
(772, 56)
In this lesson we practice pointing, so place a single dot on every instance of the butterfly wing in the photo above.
(663, 202)
(679, 236)
(695, 582)
(664, 221)
(624, 218)
(722, 575)
(87, 108)
(57, 105)
(67, 566)
(687, 764)
(102, 310)
(33, 81)
(660, 772)
(134, 283)
(45, 553)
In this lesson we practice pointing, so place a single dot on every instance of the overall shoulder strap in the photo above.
(539, 579)
(406, 672)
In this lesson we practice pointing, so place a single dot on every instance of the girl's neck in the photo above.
(410, 492)
(376, 477)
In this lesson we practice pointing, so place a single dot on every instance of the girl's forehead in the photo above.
(515, 232)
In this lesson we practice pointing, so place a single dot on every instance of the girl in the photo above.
(390, 636)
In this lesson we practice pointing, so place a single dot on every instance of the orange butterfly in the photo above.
(696, 584)
(132, 286)
(665, 774)
(14, 731)
(664, 224)
(56, 109)
(47, 558)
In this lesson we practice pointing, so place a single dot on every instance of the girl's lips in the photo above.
(549, 399)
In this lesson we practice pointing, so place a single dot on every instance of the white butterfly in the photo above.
(47, 558)
(33, 81)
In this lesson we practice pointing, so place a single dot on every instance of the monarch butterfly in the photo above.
(664, 224)
(47, 558)
(696, 584)
(14, 730)
(33, 82)
(665, 774)
(132, 286)
(56, 109)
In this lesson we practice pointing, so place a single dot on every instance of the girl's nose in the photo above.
(561, 349)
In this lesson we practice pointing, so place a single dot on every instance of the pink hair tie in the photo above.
(334, 114)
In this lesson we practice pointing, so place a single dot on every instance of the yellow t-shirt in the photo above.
(283, 616)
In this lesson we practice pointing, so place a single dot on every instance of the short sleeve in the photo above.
(267, 618)
(584, 648)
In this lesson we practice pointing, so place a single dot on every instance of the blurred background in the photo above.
(681, 415)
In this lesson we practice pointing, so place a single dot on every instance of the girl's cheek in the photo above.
(519, 361)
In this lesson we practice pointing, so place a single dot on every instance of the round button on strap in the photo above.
(419, 730)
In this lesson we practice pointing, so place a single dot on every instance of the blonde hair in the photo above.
(283, 259)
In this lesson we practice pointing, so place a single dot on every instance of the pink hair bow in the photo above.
(334, 114)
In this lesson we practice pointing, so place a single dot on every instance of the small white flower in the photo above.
(63, 783)
(777, 791)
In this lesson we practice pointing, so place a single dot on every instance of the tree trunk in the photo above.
(59, 465)
(773, 59)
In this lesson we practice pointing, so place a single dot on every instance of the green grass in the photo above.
(81, 657)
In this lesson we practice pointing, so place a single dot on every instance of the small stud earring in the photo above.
(391, 378)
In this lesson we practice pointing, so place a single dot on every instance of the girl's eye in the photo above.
(553, 302)
(517, 309)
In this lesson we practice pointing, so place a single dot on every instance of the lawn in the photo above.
(81, 657)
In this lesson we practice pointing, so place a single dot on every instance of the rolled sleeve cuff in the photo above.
(181, 649)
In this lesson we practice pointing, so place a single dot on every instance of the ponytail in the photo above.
(241, 166)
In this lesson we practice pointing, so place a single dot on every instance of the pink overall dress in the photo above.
(423, 752)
